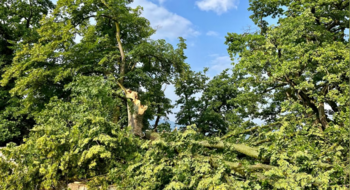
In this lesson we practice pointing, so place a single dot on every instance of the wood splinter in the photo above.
(135, 115)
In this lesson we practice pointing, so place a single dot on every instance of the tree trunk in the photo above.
(156, 123)
(135, 113)
(122, 55)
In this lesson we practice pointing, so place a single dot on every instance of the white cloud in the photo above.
(220, 63)
(218, 6)
(212, 33)
(327, 106)
(169, 25)
(191, 44)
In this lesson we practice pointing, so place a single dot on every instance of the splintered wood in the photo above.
(135, 114)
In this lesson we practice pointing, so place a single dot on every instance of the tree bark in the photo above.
(157, 120)
(122, 54)
(322, 119)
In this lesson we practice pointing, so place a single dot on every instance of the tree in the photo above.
(306, 68)
(187, 87)
(288, 74)
(117, 46)
(211, 110)
(19, 21)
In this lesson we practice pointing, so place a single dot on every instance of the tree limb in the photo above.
(241, 148)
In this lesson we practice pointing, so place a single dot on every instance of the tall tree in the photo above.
(300, 63)
(18, 23)
(118, 46)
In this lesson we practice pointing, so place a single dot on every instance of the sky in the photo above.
(204, 24)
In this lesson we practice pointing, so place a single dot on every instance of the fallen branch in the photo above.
(241, 148)
(261, 142)
(237, 166)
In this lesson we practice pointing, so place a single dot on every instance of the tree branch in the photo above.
(272, 88)
(241, 148)
(236, 166)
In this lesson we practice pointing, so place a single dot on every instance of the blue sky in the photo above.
(204, 24)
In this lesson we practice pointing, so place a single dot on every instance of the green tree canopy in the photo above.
(207, 103)
(300, 63)
(117, 46)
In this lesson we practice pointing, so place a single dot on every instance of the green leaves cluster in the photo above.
(19, 22)
(71, 140)
(207, 103)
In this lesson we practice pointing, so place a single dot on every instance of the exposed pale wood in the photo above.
(135, 113)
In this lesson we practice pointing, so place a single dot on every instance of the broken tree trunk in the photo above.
(135, 113)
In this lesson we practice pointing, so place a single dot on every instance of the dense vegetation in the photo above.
(80, 111)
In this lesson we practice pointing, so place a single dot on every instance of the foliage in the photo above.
(42, 69)
(299, 66)
(207, 103)
(187, 87)
(71, 141)
(293, 76)
(17, 25)
(164, 127)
